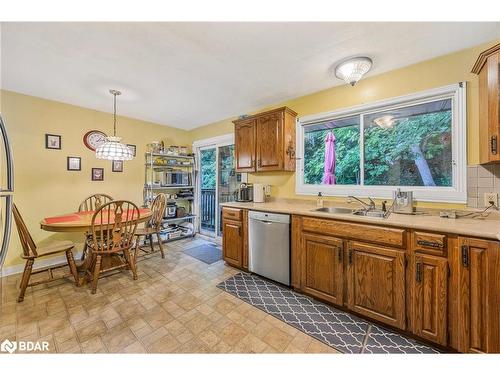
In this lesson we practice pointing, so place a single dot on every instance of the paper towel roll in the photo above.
(258, 193)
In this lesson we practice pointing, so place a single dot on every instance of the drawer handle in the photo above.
(418, 273)
(435, 245)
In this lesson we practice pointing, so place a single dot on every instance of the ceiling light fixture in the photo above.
(353, 69)
(113, 149)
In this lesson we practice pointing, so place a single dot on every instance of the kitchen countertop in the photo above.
(488, 227)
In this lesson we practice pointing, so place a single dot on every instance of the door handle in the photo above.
(465, 255)
(418, 274)
(350, 256)
(340, 249)
(493, 144)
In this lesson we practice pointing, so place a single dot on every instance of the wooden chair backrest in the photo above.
(93, 202)
(29, 247)
(113, 226)
(158, 210)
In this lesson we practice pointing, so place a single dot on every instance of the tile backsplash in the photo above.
(482, 179)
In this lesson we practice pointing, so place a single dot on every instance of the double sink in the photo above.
(347, 211)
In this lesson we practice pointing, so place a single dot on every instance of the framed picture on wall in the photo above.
(74, 163)
(133, 148)
(117, 166)
(53, 141)
(97, 174)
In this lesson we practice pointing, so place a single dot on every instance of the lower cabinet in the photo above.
(232, 242)
(430, 297)
(479, 295)
(322, 267)
(376, 282)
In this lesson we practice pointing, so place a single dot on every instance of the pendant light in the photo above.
(113, 149)
(353, 69)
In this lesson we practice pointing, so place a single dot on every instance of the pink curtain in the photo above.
(329, 168)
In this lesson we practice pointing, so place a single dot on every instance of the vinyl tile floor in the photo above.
(173, 307)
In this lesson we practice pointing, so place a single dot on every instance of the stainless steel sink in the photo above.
(370, 213)
(334, 210)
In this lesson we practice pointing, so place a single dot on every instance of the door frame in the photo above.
(206, 144)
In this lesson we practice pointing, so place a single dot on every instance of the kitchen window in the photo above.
(415, 142)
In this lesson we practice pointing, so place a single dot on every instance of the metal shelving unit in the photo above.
(156, 163)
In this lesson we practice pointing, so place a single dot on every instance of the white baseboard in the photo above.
(19, 268)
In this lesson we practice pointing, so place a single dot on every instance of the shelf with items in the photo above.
(175, 176)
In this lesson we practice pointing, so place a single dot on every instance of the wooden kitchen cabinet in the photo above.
(266, 141)
(430, 297)
(322, 267)
(376, 283)
(487, 67)
(244, 145)
(479, 295)
(232, 243)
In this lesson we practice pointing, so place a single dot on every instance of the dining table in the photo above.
(82, 222)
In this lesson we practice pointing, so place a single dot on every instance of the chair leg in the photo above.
(160, 244)
(84, 251)
(131, 262)
(151, 243)
(97, 271)
(136, 250)
(72, 266)
(25, 279)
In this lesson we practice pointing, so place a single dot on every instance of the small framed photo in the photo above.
(97, 174)
(53, 141)
(133, 148)
(74, 163)
(117, 166)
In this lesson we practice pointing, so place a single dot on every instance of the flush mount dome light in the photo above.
(353, 69)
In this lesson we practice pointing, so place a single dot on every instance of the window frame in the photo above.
(457, 193)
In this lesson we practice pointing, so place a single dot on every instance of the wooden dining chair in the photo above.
(92, 203)
(112, 234)
(31, 252)
(152, 227)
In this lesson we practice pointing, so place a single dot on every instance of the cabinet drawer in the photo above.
(370, 233)
(232, 213)
(429, 243)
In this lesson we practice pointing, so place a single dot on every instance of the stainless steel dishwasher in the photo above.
(269, 245)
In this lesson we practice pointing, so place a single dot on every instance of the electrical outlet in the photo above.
(490, 197)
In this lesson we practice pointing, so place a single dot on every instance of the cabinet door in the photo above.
(270, 142)
(479, 295)
(376, 283)
(430, 294)
(322, 267)
(232, 242)
(244, 146)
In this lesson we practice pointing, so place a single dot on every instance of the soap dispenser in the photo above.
(319, 200)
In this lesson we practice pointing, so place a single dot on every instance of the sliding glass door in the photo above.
(218, 182)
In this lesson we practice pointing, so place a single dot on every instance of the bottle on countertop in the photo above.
(319, 200)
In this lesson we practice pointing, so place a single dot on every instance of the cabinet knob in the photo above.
(465, 255)
(493, 144)
(418, 273)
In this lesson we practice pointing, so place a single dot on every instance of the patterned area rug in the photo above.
(340, 330)
(208, 253)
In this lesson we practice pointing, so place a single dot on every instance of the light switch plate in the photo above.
(490, 197)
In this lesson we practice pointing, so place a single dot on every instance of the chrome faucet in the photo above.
(367, 206)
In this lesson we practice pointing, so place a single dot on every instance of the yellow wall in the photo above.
(429, 74)
(43, 186)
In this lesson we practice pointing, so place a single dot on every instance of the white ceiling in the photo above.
(190, 74)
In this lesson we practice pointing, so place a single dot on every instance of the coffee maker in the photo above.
(245, 193)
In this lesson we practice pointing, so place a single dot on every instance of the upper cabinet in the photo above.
(487, 67)
(266, 141)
